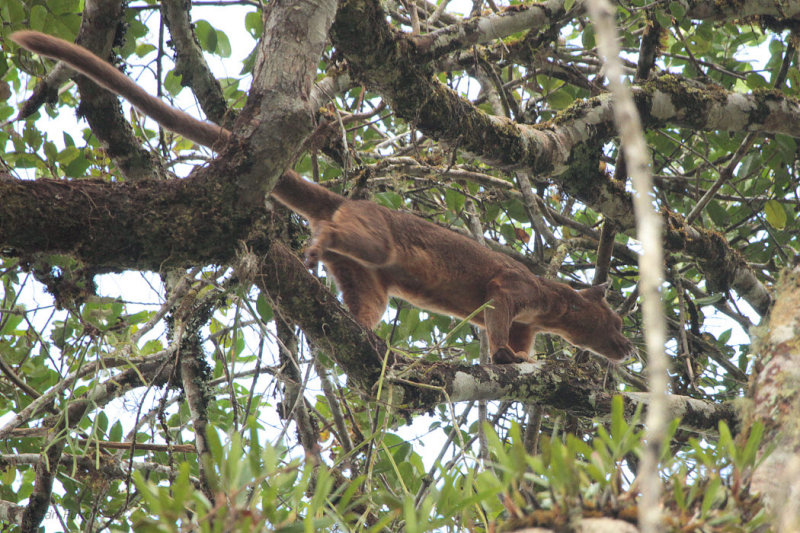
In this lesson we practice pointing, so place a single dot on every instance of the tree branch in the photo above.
(190, 64)
(480, 30)
(711, 10)
(550, 383)
(147, 226)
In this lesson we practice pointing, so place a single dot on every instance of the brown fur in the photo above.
(374, 252)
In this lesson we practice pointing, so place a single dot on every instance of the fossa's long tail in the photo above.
(300, 195)
(115, 81)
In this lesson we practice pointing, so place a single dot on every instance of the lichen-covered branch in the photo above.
(672, 100)
(480, 30)
(11, 513)
(146, 226)
(550, 383)
(303, 300)
(194, 378)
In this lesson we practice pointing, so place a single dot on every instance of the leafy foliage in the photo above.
(264, 488)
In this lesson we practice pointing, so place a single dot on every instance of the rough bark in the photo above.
(776, 402)
(556, 384)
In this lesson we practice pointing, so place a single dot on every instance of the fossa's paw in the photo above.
(506, 356)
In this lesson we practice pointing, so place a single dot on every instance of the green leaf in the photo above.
(725, 441)
(717, 213)
(756, 81)
(60, 7)
(776, 215)
(663, 18)
(11, 323)
(776, 47)
(77, 167)
(750, 163)
(617, 417)
(753, 444)
(560, 99)
(26, 161)
(38, 17)
(389, 199)
(143, 49)
(252, 23)
(13, 12)
(677, 9)
(206, 35)
(454, 200)
(794, 79)
(115, 434)
(705, 31)
(223, 45)
(172, 83)
(587, 37)
(679, 493)
(708, 300)
(710, 495)
(264, 309)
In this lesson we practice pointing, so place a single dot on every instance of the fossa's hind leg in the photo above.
(361, 235)
(363, 293)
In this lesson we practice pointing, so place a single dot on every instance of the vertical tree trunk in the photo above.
(776, 404)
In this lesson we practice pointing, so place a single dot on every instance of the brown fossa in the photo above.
(374, 252)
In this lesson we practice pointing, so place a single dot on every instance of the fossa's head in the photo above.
(594, 326)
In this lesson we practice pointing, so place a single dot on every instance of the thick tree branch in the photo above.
(711, 10)
(672, 100)
(278, 117)
(111, 226)
(383, 59)
(537, 17)
(303, 300)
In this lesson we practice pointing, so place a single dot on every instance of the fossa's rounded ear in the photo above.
(597, 292)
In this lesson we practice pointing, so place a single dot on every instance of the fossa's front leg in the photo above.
(505, 349)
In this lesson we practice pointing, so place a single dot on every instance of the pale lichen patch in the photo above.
(662, 107)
